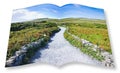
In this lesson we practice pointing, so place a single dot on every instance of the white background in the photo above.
(112, 11)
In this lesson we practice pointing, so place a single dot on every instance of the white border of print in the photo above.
(112, 10)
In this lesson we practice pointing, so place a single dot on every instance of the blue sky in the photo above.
(53, 11)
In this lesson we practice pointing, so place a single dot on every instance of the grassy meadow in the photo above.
(96, 36)
(92, 30)
(23, 33)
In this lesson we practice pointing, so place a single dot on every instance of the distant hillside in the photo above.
(71, 20)
(68, 20)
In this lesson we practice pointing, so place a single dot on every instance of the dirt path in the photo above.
(59, 51)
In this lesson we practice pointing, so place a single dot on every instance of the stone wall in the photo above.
(19, 55)
(108, 58)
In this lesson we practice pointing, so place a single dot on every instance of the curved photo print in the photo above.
(50, 34)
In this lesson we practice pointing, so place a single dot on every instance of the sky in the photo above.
(56, 12)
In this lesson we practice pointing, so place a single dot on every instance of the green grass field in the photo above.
(94, 31)
(26, 32)
(96, 36)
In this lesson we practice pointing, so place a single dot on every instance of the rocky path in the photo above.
(59, 52)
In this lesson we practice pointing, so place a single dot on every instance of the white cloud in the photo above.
(55, 11)
(50, 10)
(76, 5)
(25, 15)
